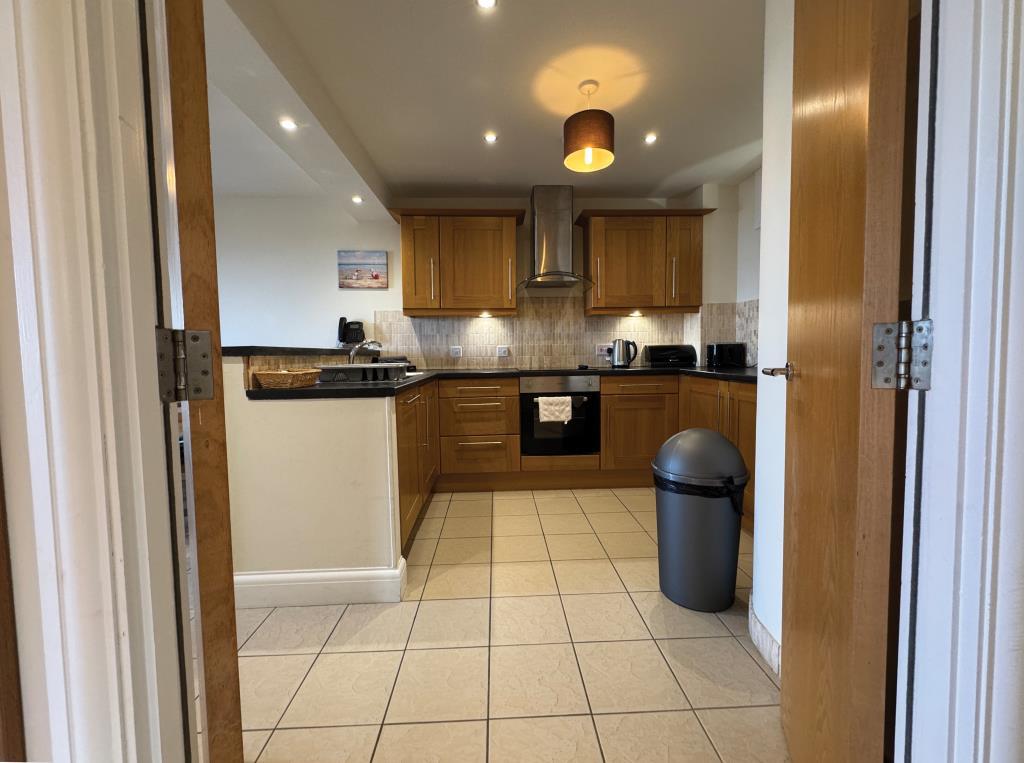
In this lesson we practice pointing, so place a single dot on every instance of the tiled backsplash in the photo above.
(731, 322)
(548, 332)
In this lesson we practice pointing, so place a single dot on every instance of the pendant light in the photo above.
(588, 136)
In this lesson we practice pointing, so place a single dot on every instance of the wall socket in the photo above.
(455, 351)
(502, 351)
(602, 350)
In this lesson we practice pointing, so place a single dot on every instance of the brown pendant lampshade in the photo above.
(588, 140)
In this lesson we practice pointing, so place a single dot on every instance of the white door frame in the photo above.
(82, 432)
(961, 683)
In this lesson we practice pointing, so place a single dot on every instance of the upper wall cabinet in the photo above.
(458, 261)
(647, 260)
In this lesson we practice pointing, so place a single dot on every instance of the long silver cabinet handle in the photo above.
(478, 388)
(412, 400)
(431, 279)
(490, 443)
(477, 405)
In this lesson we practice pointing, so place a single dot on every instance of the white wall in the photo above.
(748, 238)
(719, 239)
(277, 270)
(766, 601)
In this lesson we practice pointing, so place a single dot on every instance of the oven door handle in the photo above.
(585, 398)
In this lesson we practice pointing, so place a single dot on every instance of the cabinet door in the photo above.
(410, 500)
(430, 448)
(478, 256)
(684, 262)
(702, 403)
(628, 261)
(742, 432)
(421, 263)
(633, 427)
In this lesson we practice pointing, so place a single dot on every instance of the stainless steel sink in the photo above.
(363, 372)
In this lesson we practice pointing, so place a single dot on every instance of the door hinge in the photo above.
(184, 363)
(902, 355)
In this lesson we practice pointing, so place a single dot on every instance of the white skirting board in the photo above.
(765, 643)
(294, 588)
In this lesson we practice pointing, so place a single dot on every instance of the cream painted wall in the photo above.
(766, 601)
(277, 270)
(748, 244)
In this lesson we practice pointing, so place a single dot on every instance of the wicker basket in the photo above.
(287, 378)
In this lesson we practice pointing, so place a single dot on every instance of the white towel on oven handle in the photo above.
(555, 408)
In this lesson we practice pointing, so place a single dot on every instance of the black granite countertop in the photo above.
(390, 389)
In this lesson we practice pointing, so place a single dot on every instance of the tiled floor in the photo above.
(532, 629)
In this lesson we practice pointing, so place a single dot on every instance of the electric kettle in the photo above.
(623, 353)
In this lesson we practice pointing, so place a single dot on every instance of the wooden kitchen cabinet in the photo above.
(408, 411)
(634, 427)
(430, 447)
(458, 261)
(646, 260)
(702, 403)
(742, 428)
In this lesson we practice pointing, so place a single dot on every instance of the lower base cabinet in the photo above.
(416, 434)
(634, 427)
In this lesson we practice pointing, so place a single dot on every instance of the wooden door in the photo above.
(742, 426)
(421, 263)
(701, 403)
(627, 261)
(633, 427)
(407, 436)
(849, 91)
(684, 261)
(478, 256)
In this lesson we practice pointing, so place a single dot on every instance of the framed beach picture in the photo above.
(362, 270)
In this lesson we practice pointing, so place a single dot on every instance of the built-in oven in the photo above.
(580, 435)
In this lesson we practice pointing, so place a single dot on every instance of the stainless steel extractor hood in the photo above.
(551, 215)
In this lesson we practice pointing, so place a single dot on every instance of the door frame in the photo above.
(963, 559)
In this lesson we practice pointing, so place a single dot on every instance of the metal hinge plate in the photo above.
(184, 362)
(901, 357)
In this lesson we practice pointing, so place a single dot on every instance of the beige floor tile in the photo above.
(624, 491)
(743, 580)
(666, 619)
(252, 744)
(422, 551)
(628, 545)
(622, 522)
(593, 492)
(515, 507)
(528, 620)
(505, 526)
(639, 502)
(628, 676)
(747, 643)
(554, 506)
(441, 497)
(654, 736)
(415, 579)
(459, 741)
(718, 672)
(565, 524)
(522, 579)
(547, 494)
(601, 504)
(577, 546)
(348, 743)
(553, 740)
(463, 509)
(746, 563)
(373, 628)
(535, 680)
(463, 551)
(507, 495)
(267, 684)
(430, 528)
(247, 621)
(344, 690)
(436, 510)
(520, 548)
(466, 527)
(586, 576)
(470, 496)
(440, 685)
(603, 617)
(746, 734)
(458, 581)
(638, 574)
(735, 618)
(451, 623)
(746, 542)
(648, 520)
(294, 630)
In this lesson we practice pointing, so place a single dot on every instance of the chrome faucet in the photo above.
(369, 344)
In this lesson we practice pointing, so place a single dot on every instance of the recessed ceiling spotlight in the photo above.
(486, 4)
(490, 137)
(650, 137)
(287, 123)
(357, 199)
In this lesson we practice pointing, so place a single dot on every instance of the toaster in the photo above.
(669, 356)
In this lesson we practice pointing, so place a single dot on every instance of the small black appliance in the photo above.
(726, 355)
(669, 356)
(350, 332)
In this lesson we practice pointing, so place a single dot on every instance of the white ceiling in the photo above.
(406, 88)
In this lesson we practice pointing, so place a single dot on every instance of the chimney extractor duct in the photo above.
(551, 215)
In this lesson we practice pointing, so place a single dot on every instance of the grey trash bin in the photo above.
(698, 478)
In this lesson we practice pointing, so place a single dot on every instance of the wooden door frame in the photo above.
(960, 672)
(12, 722)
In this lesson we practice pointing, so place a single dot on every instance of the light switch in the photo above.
(502, 350)
(455, 351)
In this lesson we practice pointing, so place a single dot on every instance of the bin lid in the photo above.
(700, 457)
